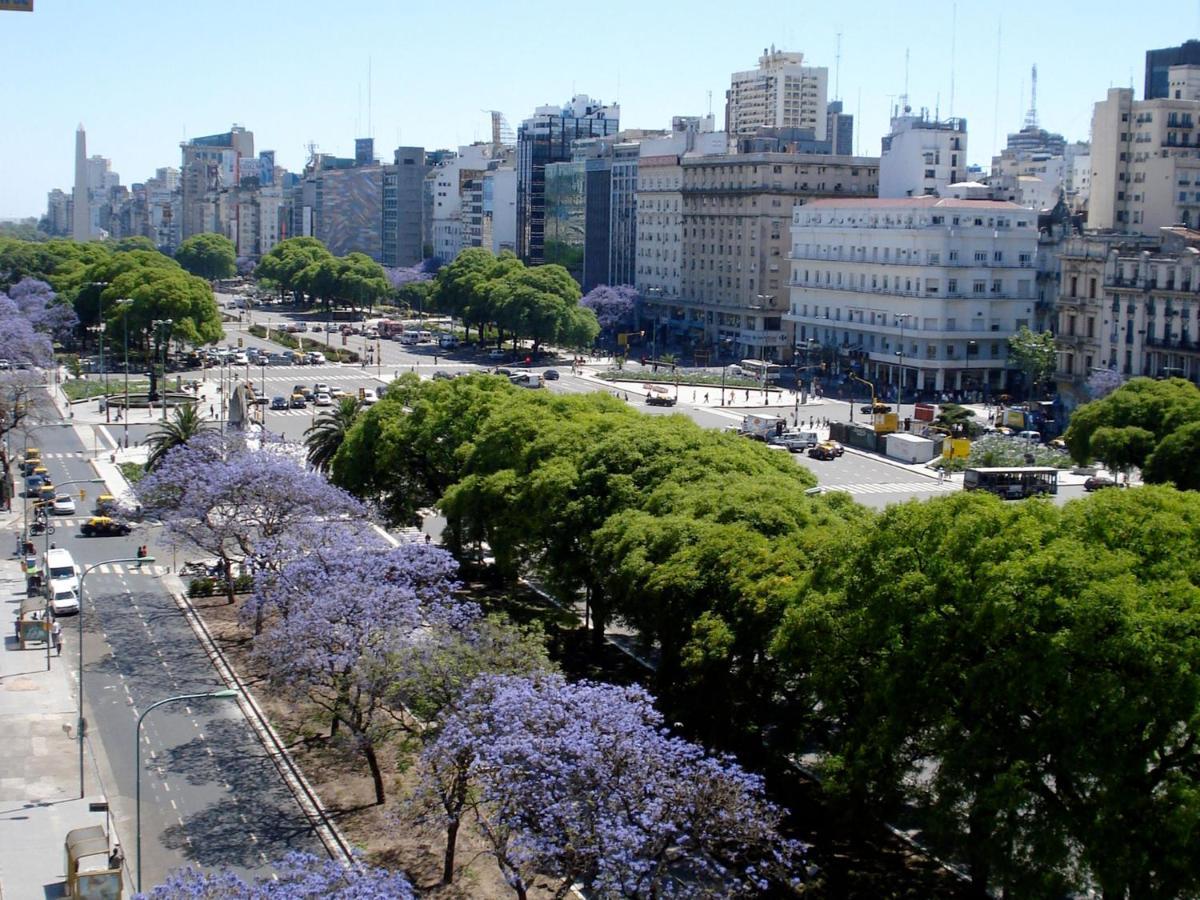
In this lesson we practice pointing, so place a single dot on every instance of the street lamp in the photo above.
(901, 318)
(82, 575)
(224, 694)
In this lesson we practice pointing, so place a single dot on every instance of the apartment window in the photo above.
(1092, 288)
(979, 286)
(1074, 286)
(980, 256)
(952, 286)
(954, 253)
(998, 256)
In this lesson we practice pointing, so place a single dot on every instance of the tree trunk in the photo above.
(521, 891)
(376, 774)
(333, 726)
(228, 567)
(448, 856)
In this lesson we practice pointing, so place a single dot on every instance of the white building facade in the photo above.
(781, 93)
(922, 293)
(922, 156)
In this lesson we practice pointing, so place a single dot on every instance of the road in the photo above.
(210, 794)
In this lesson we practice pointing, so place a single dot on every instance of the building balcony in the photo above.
(1177, 344)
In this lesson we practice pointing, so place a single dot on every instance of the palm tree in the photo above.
(184, 425)
(325, 435)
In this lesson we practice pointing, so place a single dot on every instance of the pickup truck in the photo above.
(796, 441)
(657, 395)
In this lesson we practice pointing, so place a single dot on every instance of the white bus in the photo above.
(1012, 483)
(760, 370)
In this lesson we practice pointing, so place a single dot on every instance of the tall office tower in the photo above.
(781, 93)
(1158, 68)
(546, 138)
(81, 224)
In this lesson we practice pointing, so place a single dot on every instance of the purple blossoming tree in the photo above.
(222, 497)
(581, 782)
(37, 302)
(612, 304)
(20, 342)
(349, 609)
(300, 876)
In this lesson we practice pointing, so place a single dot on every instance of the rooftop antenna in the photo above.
(710, 102)
(953, 47)
(904, 96)
(1031, 119)
(837, 69)
(858, 124)
(370, 125)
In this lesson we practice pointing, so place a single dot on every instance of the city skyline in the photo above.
(301, 72)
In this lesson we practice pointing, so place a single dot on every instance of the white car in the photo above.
(63, 599)
(320, 388)
(323, 399)
(369, 399)
(336, 392)
(317, 358)
(64, 505)
(240, 359)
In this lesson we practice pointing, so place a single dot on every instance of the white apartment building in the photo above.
(1145, 163)
(450, 234)
(922, 156)
(921, 292)
(781, 93)
(659, 249)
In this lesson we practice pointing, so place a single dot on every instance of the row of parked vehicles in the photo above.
(253, 356)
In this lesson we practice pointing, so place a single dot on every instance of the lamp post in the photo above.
(901, 318)
(82, 575)
(224, 694)
(165, 326)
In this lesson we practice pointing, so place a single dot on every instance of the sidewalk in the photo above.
(39, 782)
(735, 398)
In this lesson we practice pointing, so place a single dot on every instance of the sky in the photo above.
(141, 75)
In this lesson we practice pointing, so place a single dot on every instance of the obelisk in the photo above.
(81, 220)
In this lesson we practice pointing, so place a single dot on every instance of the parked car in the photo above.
(1033, 437)
(62, 596)
(496, 353)
(64, 505)
(103, 526)
(550, 374)
(279, 403)
(1096, 482)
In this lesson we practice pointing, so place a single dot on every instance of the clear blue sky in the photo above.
(142, 74)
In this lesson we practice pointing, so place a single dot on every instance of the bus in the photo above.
(760, 370)
(1012, 483)
(389, 329)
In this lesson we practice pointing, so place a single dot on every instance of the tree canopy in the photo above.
(209, 256)
(1035, 354)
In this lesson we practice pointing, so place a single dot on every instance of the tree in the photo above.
(361, 281)
(298, 876)
(1035, 355)
(325, 436)
(613, 305)
(578, 328)
(1176, 459)
(185, 423)
(46, 313)
(216, 494)
(1159, 407)
(20, 343)
(580, 782)
(533, 302)
(1122, 449)
(361, 606)
(284, 262)
(209, 256)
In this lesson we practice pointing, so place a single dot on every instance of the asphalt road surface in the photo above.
(210, 794)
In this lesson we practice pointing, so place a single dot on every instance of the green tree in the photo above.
(578, 328)
(534, 302)
(1176, 459)
(1122, 449)
(137, 242)
(185, 423)
(1035, 355)
(361, 281)
(1159, 407)
(283, 264)
(209, 256)
(324, 437)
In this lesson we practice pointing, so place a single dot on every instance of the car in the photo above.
(496, 353)
(279, 402)
(297, 401)
(368, 399)
(838, 449)
(64, 505)
(316, 358)
(335, 392)
(62, 597)
(877, 408)
(323, 399)
(442, 375)
(1058, 444)
(823, 450)
(103, 526)
(507, 373)
(1096, 482)
(550, 374)
(241, 359)
(1033, 437)
(320, 388)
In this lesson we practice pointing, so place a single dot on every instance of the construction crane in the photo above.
(502, 132)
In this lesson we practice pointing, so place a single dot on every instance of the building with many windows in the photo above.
(1129, 303)
(781, 93)
(545, 138)
(922, 156)
(733, 269)
(921, 292)
(1145, 162)
(210, 164)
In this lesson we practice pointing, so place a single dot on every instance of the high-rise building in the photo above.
(922, 156)
(81, 222)
(920, 293)
(839, 129)
(210, 164)
(1145, 161)
(57, 222)
(1157, 85)
(499, 229)
(781, 93)
(543, 139)
(403, 187)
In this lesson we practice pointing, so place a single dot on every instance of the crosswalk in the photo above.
(75, 454)
(896, 487)
(153, 571)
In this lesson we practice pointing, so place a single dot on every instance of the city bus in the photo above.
(1012, 483)
(760, 370)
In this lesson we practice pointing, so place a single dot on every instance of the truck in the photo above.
(762, 427)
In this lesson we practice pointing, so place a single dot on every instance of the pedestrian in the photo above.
(212, 411)
(747, 396)
(56, 637)
(941, 476)
(428, 538)
(706, 397)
